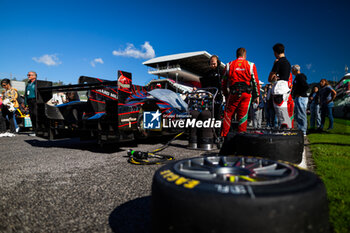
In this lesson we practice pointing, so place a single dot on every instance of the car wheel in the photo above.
(237, 194)
(286, 145)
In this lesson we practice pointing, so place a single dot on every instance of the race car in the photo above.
(113, 111)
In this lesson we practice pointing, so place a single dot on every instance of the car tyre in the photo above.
(219, 194)
(285, 145)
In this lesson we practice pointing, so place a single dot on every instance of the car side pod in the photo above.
(238, 195)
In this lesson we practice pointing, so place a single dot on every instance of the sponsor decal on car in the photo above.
(107, 93)
(128, 120)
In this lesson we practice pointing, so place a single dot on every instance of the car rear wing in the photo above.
(45, 88)
(102, 97)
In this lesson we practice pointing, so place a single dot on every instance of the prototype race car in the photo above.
(112, 112)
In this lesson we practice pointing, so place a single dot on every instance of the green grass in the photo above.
(331, 153)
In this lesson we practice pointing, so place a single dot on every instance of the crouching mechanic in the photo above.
(241, 77)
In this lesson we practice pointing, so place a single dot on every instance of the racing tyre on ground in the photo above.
(237, 194)
(286, 145)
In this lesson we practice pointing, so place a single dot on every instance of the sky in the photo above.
(62, 40)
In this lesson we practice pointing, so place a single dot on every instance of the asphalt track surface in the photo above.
(74, 186)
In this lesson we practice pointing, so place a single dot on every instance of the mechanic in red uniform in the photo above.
(241, 77)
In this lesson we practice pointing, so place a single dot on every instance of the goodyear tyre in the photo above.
(286, 145)
(237, 194)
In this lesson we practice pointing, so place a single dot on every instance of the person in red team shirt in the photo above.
(241, 77)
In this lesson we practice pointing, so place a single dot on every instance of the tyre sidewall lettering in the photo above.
(175, 180)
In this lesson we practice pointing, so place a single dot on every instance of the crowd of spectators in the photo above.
(319, 105)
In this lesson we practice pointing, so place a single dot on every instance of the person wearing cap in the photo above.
(300, 98)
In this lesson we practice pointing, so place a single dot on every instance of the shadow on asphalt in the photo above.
(179, 145)
(132, 217)
(93, 146)
(210, 154)
(158, 139)
(74, 143)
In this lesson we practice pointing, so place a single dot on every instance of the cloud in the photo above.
(95, 61)
(146, 51)
(308, 66)
(48, 59)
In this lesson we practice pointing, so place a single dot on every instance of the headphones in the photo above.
(217, 58)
